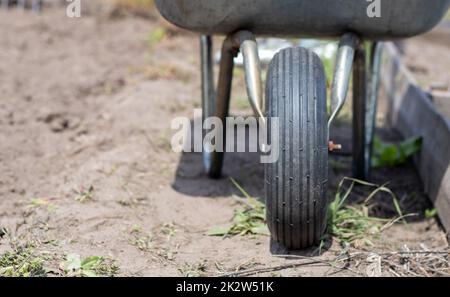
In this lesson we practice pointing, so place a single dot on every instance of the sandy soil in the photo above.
(85, 102)
(431, 64)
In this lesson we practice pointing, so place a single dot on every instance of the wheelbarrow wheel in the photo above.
(296, 184)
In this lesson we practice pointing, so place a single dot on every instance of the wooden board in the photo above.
(412, 112)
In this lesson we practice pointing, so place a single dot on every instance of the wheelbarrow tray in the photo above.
(326, 18)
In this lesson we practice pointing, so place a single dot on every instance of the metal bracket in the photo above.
(253, 81)
(216, 103)
(371, 107)
(245, 42)
(342, 73)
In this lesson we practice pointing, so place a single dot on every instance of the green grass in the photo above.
(430, 213)
(389, 154)
(22, 262)
(26, 262)
(91, 266)
(85, 195)
(352, 223)
(192, 269)
(348, 224)
(250, 220)
(36, 203)
(156, 36)
(159, 244)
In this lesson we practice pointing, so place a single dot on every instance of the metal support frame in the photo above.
(360, 169)
(218, 103)
(36, 5)
(342, 73)
(352, 54)
(372, 100)
(253, 81)
(208, 95)
(242, 41)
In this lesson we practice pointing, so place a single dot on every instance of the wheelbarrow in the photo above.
(295, 93)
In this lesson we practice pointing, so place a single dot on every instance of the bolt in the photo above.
(332, 146)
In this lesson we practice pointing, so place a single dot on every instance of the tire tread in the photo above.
(296, 184)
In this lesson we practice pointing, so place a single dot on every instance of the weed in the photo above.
(130, 202)
(149, 242)
(430, 213)
(143, 243)
(350, 224)
(41, 202)
(22, 262)
(156, 36)
(388, 154)
(169, 230)
(89, 267)
(193, 270)
(250, 220)
(135, 229)
(84, 195)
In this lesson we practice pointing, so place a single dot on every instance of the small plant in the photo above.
(353, 223)
(92, 266)
(250, 220)
(22, 262)
(430, 213)
(193, 270)
(169, 230)
(388, 154)
(84, 195)
(143, 243)
(41, 202)
(149, 242)
(156, 36)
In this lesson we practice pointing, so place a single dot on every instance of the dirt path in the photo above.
(86, 106)
(428, 57)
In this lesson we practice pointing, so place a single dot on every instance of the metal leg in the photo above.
(371, 110)
(360, 169)
(207, 88)
(218, 104)
(207, 76)
(249, 50)
(342, 71)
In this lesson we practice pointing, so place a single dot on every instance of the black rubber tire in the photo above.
(296, 184)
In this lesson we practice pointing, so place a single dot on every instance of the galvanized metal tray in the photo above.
(327, 18)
